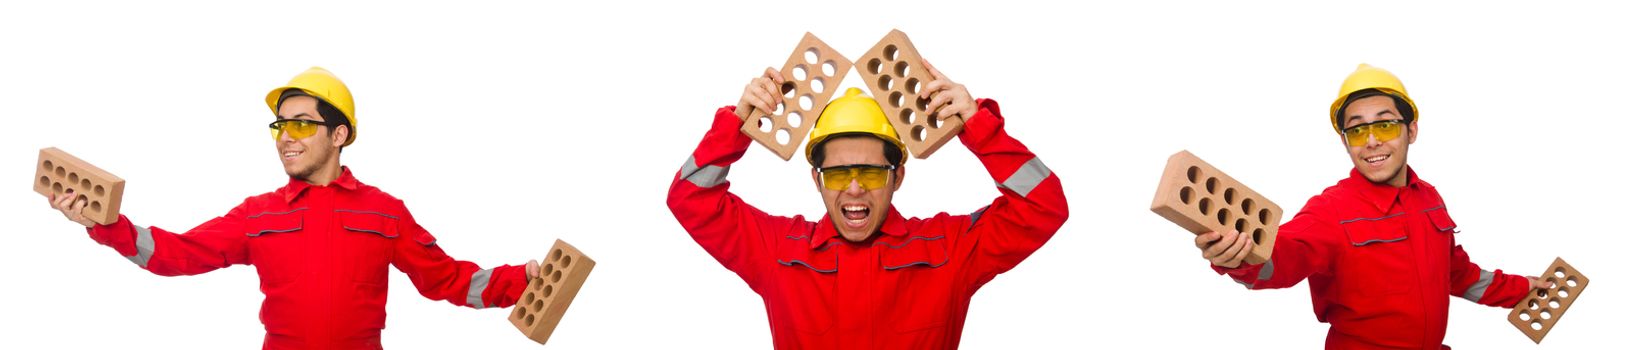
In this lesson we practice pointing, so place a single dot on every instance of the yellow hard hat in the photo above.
(322, 84)
(854, 113)
(1368, 77)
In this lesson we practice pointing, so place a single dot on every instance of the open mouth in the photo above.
(1377, 160)
(290, 155)
(855, 215)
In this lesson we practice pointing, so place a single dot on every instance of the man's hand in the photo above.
(949, 98)
(532, 268)
(1539, 283)
(1225, 249)
(70, 208)
(763, 93)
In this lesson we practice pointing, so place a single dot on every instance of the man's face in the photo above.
(855, 210)
(1379, 161)
(303, 157)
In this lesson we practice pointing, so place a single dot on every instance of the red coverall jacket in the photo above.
(1381, 262)
(907, 288)
(321, 252)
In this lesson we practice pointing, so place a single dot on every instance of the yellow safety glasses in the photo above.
(297, 128)
(1383, 130)
(869, 176)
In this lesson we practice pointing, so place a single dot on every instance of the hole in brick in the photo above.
(829, 68)
(73, 178)
(919, 133)
(81, 198)
(45, 181)
(1542, 294)
(890, 52)
(1559, 272)
(520, 313)
(1258, 235)
(922, 103)
(805, 102)
(1547, 315)
(537, 304)
(1185, 194)
(1564, 293)
(548, 268)
(47, 165)
(527, 298)
(1241, 225)
(95, 206)
(1223, 215)
(537, 282)
(885, 82)
(1525, 316)
(812, 55)
(895, 99)
(817, 85)
(1536, 325)
(100, 191)
(555, 255)
(913, 85)
(548, 289)
(1247, 205)
(800, 72)
(874, 65)
(1230, 196)
(529, 320)
(902, 68)
(1533, 306)
(1212, 185)
(61, 172)
(555, 277)
(56, 187)
(1570, 282)
(794, 119)
(765, 124)
(1205, 205)
(1264, 217)
(1553, 304)
(1192, 174)
(933, 121)
(788, 88)
(782, 136)
(85, 185)
(566, 261)
(907, 115)
(780, 109)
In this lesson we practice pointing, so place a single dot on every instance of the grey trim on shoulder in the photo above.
(144, 247)
(1023, 180)
(473, 293)
(1268, 270)
(1478, 289)
(705, 177)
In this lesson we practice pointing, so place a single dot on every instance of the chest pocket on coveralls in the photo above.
(805, 281)
(1379, 257)
(275, 245)
(916, 265)
(369, 238)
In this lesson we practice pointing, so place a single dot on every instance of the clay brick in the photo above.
(1537, 313)
(895, 72)
(810, 78)
(547, 296)
(56, 172)
(1200, 198)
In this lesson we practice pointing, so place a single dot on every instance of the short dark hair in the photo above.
(332, 117)
(1400, 104)
(892, 153)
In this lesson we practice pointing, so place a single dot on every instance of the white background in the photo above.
(507, 126)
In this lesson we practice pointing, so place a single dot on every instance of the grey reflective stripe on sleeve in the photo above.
(1479, 287)
(1266, 271)
(705, 177)
(1027, 177)
(479, 282)
(144, 247)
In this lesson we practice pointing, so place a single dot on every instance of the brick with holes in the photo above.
(56, 172)
(1540, 311)
(810, 77)
(1200, 198)
(895, 72)
(561, 274)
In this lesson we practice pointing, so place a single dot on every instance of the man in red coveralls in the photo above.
(321, 243)
(865, 277)
(1379, 247)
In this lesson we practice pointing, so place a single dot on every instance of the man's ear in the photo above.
(340, 135)
(1412, 132)
(901, 174)
(816, 179)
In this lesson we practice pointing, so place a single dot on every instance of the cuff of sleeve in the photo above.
(121, 236)
(984, 124)
(506, 285)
